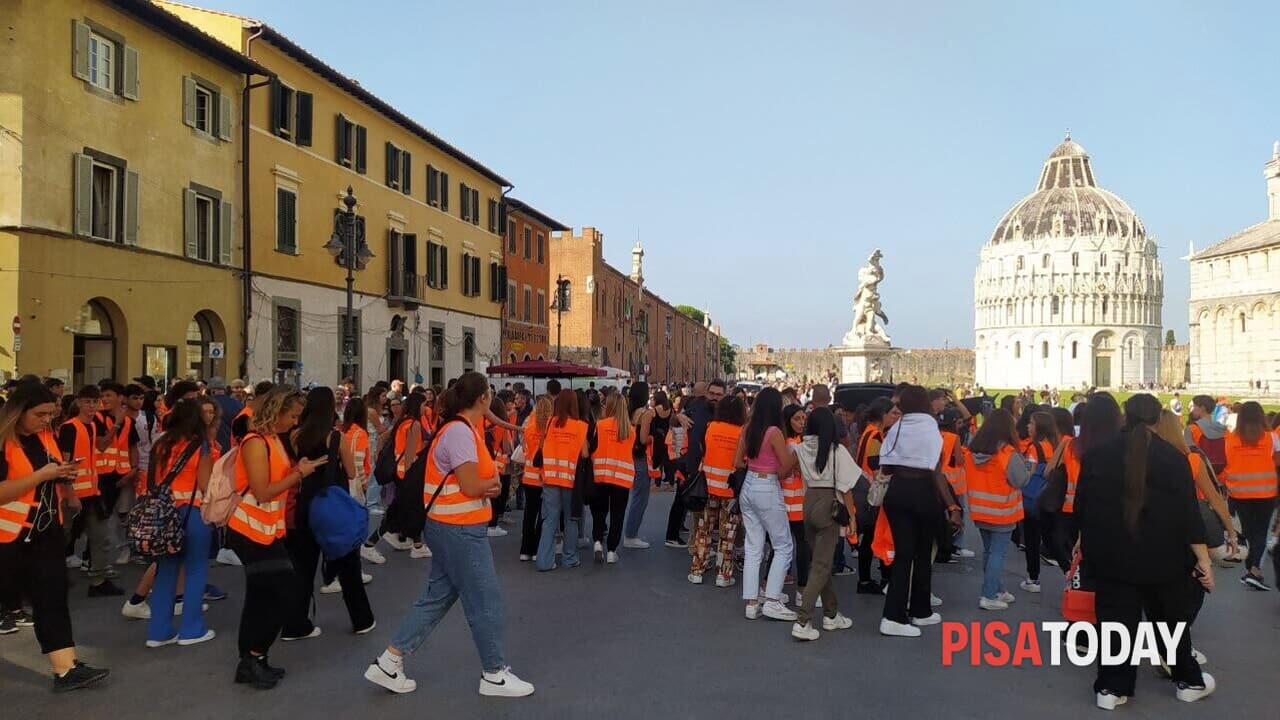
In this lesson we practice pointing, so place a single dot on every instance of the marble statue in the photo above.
(869, 317)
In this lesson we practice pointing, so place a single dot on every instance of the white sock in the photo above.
(390, 662)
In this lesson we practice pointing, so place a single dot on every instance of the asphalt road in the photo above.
(634, 640)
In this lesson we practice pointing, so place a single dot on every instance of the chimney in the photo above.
(1272, 173)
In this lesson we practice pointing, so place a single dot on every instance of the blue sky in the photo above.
(761, 150)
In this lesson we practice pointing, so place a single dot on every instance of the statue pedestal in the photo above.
(865, 360)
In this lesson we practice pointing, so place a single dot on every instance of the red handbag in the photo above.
(1077, 603)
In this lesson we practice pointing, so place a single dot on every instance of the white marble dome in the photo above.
(1069, 287)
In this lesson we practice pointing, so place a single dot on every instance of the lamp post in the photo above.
(562, 283)
(349, 249)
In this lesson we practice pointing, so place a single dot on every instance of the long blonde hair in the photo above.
(1170, 430)
(616, 407)
(542, 412)
(274, 404)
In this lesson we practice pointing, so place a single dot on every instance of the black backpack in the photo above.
(384, 466)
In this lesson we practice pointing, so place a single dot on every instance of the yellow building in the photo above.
(120, 193)
(428, 299)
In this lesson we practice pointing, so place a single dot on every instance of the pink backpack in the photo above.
(220, 499)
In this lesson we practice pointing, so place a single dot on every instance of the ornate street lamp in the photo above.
(348, 247)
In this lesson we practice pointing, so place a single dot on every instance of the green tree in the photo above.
(692, 313)
(1169, 339)
(728, 357)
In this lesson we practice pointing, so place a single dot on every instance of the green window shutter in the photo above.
(406, 171)
(390, 156)
(475, 276)
(475, 207)
(130, 207)
(395, 264)
(225, 222)
(83, 222)
(224, 117)
(340, 149)
(431, 264)
(444, 266)
(80, 50)
(465, 211)
(277, 96)
(444, 191)
(129, 78)
(433, 186)
(188, 101)
(362, 141)
(189, 222)
(302, 129)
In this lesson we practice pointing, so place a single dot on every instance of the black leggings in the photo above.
(675, 518)
(866, 533)
(1031, 535)
(608, 502)
(269, 590)
(913, 510)
(1255, 518)
(802, 552)
(499, 503)
(531, 528)
(304, 553)
(37, 570)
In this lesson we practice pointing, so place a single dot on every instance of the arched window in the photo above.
(1044, 350)
(1017, 349)
(1075, 349)
(1242, 323)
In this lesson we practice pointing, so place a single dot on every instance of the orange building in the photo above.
(527, 255)
(610, 318)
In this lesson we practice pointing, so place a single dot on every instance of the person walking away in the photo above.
(829, 474)
(535, 429)
(659, 462)
(614, 473)
(793, 420)
(1141, 537)
(642, 418)
(1042, 434)
(314, 439)
(721, 443)
(184, 449)
(952, 425)
(256, 532)
(914, 508)
(462, 477)
(564, 444)
(36, 482)
(762, 452)
(1250, 477)
(878, 417)
(996, 472)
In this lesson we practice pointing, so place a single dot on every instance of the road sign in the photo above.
(17, 343)
(17, 325)
(217, 350)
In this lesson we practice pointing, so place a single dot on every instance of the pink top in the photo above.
(766, 462)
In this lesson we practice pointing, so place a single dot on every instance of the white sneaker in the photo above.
(504, 683)
(141, 611)
(1006, 597)
(753, 611)
(162, 643)
(227, 556)
(395, 542)
(1187, 693)
(598, 552)
(123, 557)
(839, 622)
(695, 579)
(1199, 656)
(611, 558)
(526, 558)
(804, 632)
(1107, 701)
(74, 561)
(365, 578)
(934, 600)
(775, 610)
(206, 637)
(369, 629)
(497, 531)
(371, 554)
(897, 629)
(634, 544)
(962, 552)
(933, 619)
(419, 551)
(331, 588)
(315, 633)
(396, 682)
(1030, 585)
(989, 604)
(724, 582)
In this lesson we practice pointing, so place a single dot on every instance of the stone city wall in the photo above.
(928, 366)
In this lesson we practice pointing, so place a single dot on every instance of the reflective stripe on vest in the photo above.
(612, 462)
(401, 447)
(1071, 462)
(1251, 472)
(85, 483)
(561, 448)
(453, 506)
(955, 474)
(717, 462)
(261, 522)
(532, 442)
(862, 452)
(793, 497)
(19, 514)
(991, 499)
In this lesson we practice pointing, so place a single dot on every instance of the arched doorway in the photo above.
(96, 331)
(205, 346)
(1104, 355)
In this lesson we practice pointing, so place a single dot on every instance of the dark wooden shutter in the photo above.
(433, 186)
(475, 206)
(340, 149)
(431, 264)
(493, 281)
(465, 211)
(406, 171)
(362, 142)
(443, 252)
(444, 191)
(502, 215)
(390, 155)
(466, 274)
(395, 264)
(277, 97)
(475, 276)
(302, 129)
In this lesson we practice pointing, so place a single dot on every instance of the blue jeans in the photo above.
(639, 499)
(461, 568)
(194, 559)
(995, 543)
(557, 502)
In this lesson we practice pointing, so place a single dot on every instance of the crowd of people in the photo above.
(773, 487)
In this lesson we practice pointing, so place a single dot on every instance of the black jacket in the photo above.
(1169, 524)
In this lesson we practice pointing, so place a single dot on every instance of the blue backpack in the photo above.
(1031, 491)
(338, 523)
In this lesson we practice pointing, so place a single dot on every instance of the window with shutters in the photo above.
(528, 243)
(105, 192)
(284, 112)
(437, 188)
(528, 303)
(493, 216)
(497, 282)
(542, 241)
(542, 307)
(350, 144)
(286, 313)
(291, 113)
(468, 349)
(512, 302)
(100, 57)
(511, 236)
(204, 110)
(105, 198)
(286, 221)
(475, 206)
(437, 266)
(206, 228)
(475, 276)
(464, 193)
(207, 220)
(102, 62)
(392, 166)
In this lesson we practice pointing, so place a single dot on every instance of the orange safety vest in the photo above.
(454, 507)
(401, 446)
(18, 514)
(717, 461)
(869, 434)
(882, 540)
(676, 447)
(561, 448)
(184, 485)
(793, 491)
(115, 459)
(612, 462)
(85, 482)
(1251, 469)
(954, 472)
(359, 439)
(429, 420)
(261, 521)
(246, 411)
(1071, 462)
(991, 499)
(532, 442)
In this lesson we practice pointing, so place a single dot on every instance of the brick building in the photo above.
(527, 258)
(611, 319)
